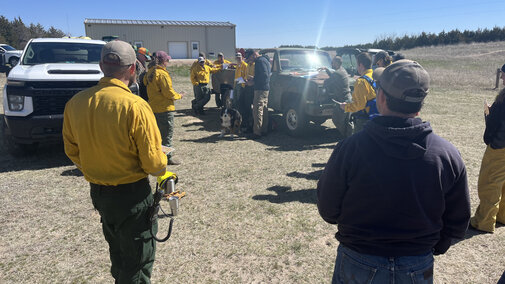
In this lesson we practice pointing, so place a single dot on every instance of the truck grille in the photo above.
(49, 105)
(50, 97)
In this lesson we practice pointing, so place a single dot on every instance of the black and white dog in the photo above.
(230, 121)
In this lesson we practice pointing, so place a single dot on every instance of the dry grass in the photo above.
(250, 214)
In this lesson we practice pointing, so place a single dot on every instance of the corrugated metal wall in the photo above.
(156, 37)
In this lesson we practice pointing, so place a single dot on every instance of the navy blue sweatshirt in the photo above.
(262, 72)
(395, 189)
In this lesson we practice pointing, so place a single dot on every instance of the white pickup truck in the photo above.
(10, 54)
(49, 73)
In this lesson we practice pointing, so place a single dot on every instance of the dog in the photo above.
(230, 121)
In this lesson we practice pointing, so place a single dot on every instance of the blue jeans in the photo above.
(355, 267)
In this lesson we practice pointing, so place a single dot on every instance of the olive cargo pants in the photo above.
(165, 121)
(260, 112)
(123, 210)
(491, 190)
(202, 96)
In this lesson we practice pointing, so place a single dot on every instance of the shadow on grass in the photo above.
(46, 156)
(73, 172)
(206, 122)
(284, 194)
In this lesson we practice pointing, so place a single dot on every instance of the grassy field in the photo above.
(250, 214)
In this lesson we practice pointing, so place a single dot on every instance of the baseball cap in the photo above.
(145, 52)
(201, 59)
(162, 56)
(220, 54)
(118, 52)
(378, 56)
(405, 80)
(238, 54)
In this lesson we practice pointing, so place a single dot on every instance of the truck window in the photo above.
(60, 52)
(304, 59)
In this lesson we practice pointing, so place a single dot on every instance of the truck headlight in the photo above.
(16, 103)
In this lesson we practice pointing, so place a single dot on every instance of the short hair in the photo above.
(365, 59)
(113, 70)
(402, 106)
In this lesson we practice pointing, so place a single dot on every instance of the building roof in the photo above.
(158, 22)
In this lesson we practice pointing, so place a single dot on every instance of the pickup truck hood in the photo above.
(59, 72)
(313, 75)
(14, 52)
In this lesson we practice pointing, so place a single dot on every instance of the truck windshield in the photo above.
(304, 59)
(62, 52)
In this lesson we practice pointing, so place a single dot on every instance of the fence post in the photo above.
(497, 83)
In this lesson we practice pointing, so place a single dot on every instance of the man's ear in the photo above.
(132, 68)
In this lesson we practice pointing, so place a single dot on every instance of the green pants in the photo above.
(123, 210)
(165, 121)
(491, 190)
(202, 96)
(260, 112)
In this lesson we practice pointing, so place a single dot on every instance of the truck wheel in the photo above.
(13, 61)
(13, 148)
(318, 120)
(295, 120)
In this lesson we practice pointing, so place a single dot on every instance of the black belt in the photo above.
(120, 188)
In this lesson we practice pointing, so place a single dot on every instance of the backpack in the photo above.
(371, 104)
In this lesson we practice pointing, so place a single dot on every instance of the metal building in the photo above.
(181, 39)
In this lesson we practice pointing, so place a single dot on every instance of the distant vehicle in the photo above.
(50, 72)
(109, 38)
(10, 54)
(297, 87)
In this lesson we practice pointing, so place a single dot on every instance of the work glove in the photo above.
(164, 178)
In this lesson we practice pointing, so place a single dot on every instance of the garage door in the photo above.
(178, 49)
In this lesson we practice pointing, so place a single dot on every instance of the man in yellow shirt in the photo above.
(239, 83)
(162, 96)
(220, 60)
(111, 135)
(200, 75)
(362, 94)
(248, 93)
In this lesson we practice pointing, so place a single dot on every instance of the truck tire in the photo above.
(13, 61)
(295, 120)
(13, 148)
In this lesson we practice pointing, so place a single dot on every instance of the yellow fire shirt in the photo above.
(241, 71)
(200, 75)
(159, 90)
(363, 92)
(111, 135)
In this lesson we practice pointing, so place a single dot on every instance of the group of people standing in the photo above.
(250, 87)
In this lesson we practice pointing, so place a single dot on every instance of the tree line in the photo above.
(428, 39)
(16, 34)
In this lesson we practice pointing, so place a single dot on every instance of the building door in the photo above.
(178, 49)
(195, 49)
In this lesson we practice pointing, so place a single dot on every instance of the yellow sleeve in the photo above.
(147, 137)
(70, 145)
(166, 87)
(215, 69)
(359, 97)
(193, 76)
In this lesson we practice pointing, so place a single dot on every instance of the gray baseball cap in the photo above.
(405, 80)
(118, 52)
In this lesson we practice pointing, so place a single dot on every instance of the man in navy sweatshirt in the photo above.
(397, 191)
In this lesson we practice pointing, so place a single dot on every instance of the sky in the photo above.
(261, 24)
